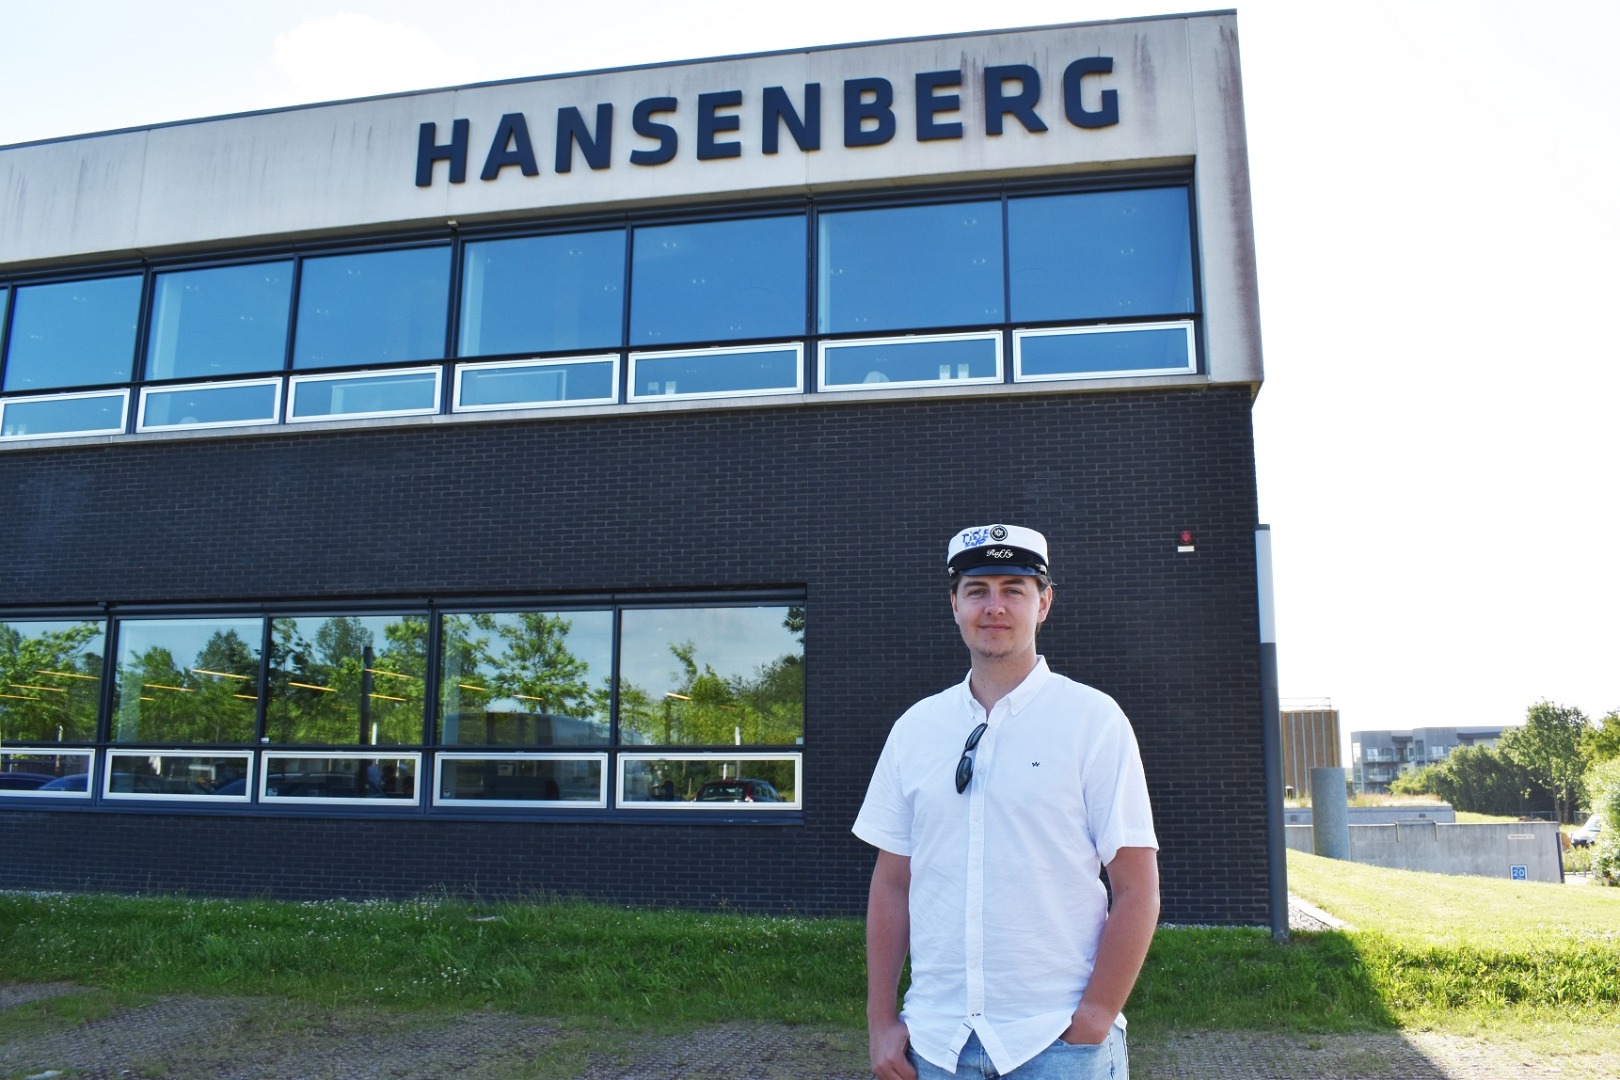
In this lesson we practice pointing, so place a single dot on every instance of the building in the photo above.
(1310, 740)
(469, 490)
(1378, 757)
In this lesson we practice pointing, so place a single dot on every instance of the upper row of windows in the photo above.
(1099, 256)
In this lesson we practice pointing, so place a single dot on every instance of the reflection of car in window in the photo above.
(24, 781)
(70, 782)
(741, 790)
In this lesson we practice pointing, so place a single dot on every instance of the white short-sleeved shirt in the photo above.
(1006, 906)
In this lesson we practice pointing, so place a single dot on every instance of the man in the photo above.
(993, 807)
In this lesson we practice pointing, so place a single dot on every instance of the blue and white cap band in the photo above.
(996, 549)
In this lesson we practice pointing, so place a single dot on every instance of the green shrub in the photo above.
(1603, 782)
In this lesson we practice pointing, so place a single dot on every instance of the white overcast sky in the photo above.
(1437, 217)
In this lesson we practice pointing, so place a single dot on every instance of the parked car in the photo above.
(1587, 834)
(742, 790)
(24, 781)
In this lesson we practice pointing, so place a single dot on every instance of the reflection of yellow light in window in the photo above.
(392, 674)
(677, 697)
(46, 689)
(247, 697)
(469, 686)
(21, 697)
(312, 686)
(385, 697)
(160, 686)
(221, 674)
(144, 698)
(526, 697)
(65, 674)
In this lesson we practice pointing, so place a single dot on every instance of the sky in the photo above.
(1436, 223)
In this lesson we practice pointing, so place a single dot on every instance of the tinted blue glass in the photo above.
(73, 333)
(1124, 352)
(223, 404)
(540, 294)
(225, 320)
(366, 394)
(910, 267)
(1101, 255)
(909, 362)
(538, 384)
(718, 373)
(383, 307)
(64, 416)
(718, 281)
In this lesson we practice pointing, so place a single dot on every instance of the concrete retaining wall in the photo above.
(1519, 850)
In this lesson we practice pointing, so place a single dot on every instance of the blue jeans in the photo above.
(1060, 1061)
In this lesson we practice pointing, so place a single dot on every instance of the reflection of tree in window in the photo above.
(49, 683)
(211, 699)
(341, 688)
(706, 708)
(512, 679)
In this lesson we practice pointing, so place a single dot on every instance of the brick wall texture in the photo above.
(850, 502)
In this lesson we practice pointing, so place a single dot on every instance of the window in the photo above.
(1102, 351)
(719, 676)
(73, 333)
(538, 294)
(909, 267)
(187, 681)
(219, 321)
(50, 681)
(546, 708)
(147, 774)
(1100, 255)
(347, 680)
(864, 363)
(529, 383)
(761, 369)
(521, 780)
(379, 307)
(397, 392)
(709, 782)
(44, 772)
(718, 281)
(64, 414)
(249, 401)
(526, 679)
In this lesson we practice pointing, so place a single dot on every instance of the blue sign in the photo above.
(1521, 873)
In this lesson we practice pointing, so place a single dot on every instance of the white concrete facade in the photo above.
(351, 168)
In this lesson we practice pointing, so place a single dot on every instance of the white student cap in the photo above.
(996, 549)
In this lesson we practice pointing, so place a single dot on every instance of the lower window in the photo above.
(530, 780)
(755, 781)
(340, 778)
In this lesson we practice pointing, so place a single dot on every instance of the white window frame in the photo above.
(637, 395)
(123, 414)
(1184, 325)
(89, 757)
(516, 365)
(150, 391)
(298, 381)
(599, 803)
(246, 757)
(701, 807)
(948, 379)
(380, 753)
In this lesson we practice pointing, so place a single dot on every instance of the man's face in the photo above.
(998, 613)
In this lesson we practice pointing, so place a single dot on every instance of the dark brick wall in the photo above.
(851, 502)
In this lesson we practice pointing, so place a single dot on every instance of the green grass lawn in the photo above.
(1457, 954)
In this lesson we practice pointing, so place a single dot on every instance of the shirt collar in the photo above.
(1021, 695)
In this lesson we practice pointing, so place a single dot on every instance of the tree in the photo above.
(1549, 746)
(1602, 740)
(1477, 779)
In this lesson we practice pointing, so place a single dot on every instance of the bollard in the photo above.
(1330, 813)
